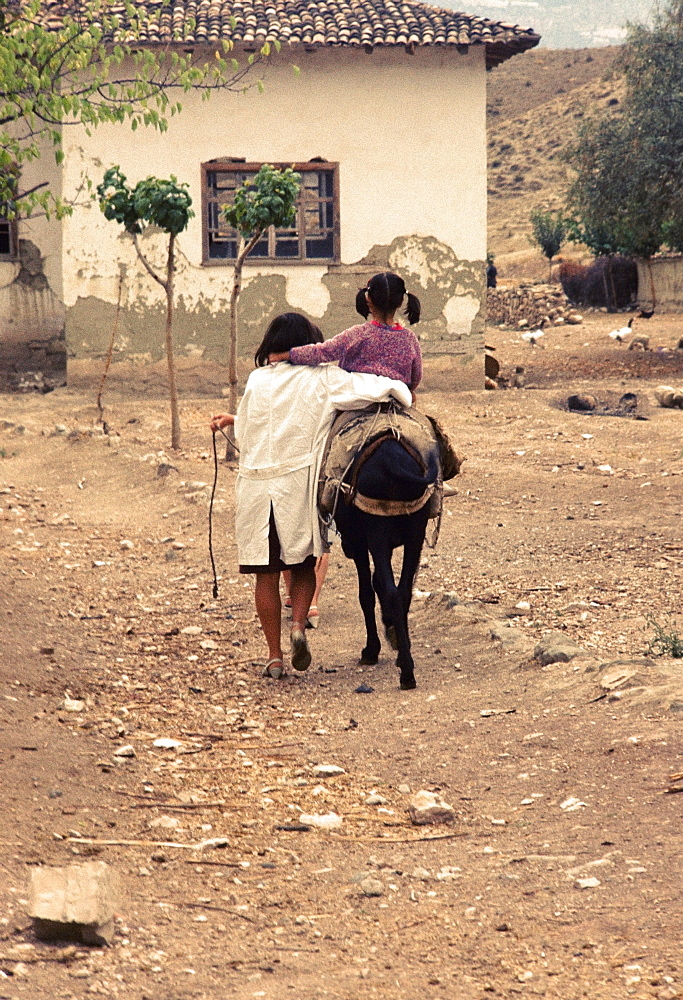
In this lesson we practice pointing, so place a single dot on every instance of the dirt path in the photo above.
(488, 906)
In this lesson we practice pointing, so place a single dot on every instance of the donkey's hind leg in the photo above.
(366, 596)
(391, 601)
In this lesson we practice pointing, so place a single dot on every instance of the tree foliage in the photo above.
(86, 68)
(628, 193)
(267, 200)
(152, 202)
(155, 202)
(548, 231)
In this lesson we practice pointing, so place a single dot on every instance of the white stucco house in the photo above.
(384, 117)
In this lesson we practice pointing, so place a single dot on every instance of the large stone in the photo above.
(428, 808)
(75, 903)
(556, 648)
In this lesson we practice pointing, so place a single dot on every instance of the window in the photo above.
(8, 238)
(314, 236)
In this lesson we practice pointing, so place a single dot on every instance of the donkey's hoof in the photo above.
(392, 638)
(367, 659)
(408, 684)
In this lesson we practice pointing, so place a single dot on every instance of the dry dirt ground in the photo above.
(489, 906)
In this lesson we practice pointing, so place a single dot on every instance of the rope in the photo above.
(213, 494)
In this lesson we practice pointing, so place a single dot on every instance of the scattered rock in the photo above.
(587, 883)
(582, 403)
(73, 704)
(209, 644)
(167, 744)
(77, 903)
(428, 808)
(364, 689)
(572, 804)
(556, 648)
(125, 751)
(164, 823)
(328, 770)
(126, 544)
(191, 630)
(372, 887)
(668, 397)
(327, 821)
(376, 800)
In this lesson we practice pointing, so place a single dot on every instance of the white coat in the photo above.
(281, 428)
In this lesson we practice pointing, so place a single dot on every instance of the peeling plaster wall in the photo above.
(32, 314)
(409, 134)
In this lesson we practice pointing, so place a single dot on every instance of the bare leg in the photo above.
(321, 567)
(269, 610)
(287, 577)
(303, 588)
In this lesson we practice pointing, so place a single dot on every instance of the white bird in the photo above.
(624, 332)
(533, 336)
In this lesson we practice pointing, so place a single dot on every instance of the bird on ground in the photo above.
(533, 336)
(624, 332)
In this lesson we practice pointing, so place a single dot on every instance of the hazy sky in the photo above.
(563, 24)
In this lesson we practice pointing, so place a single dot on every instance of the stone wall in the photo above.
(528, 305)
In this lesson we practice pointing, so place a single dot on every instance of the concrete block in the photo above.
(75, 903)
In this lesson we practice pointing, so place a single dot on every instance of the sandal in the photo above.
(301, 654)
(313, 619)
(274, 668)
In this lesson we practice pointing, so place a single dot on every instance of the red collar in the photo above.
(384, 326)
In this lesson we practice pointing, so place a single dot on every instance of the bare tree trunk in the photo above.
(245, 249)
(100, 408)
(172, 390)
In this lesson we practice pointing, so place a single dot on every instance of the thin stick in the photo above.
(216, 864)
(405, 840)
(178, 805)
(131, 843)
(100, 408)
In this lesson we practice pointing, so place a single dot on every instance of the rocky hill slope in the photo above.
(534, 105)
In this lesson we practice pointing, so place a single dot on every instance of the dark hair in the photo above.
(386, 291)
(284, 332)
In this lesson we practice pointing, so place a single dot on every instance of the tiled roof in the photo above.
(317, 23)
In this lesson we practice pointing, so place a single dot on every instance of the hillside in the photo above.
(561, 24)
(534, 104)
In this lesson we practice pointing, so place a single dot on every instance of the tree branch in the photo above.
(148, 267)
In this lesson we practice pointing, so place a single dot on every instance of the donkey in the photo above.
(393, 477)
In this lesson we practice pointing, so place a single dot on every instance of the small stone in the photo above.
(587, 883)
(126, 544)
(376, 800)
(208, 644)
(76, 902)
(327, 821)
(523, 606)
(125, 751)
(191, 630)
(572, 804)
(421, 873)
(164, 823)
(364, 689)
(327, 770)
(372, 887)
(556, 648)
(429, 808)
(167, 744)
(73, 704)
(178, 546)
(404, 789)
(61, 428)
(582, 403)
